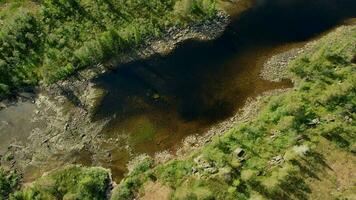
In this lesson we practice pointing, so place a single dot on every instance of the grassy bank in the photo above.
(45, 41)
(278, 155)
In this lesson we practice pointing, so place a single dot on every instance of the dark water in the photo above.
(157, 102)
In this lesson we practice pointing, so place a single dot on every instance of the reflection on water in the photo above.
(157, 102)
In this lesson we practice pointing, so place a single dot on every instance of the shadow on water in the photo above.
(160, 100)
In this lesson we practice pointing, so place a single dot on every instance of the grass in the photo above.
(42, 42)
(9, 182)
(72, 182)
(320, 108)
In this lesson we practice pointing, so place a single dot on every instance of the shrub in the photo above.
(73, 182)
(9, 182)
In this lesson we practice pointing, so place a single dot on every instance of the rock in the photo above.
(238, 152)
(203, 164)
(299, 138)
(276, 160)
(15, 146)
(26, 95)
(348, 118)
(330, 118)
(66, 126)
(156, 96)
(314, 122)
(301, 150)
(2, 106)
(225, 174)
(211, 170)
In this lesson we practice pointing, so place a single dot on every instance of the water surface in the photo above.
(156, 102)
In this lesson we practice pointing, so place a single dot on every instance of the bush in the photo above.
(20, 45)
(73, 182)
(9, 182)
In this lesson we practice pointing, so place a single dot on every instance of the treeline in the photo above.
(50, 42)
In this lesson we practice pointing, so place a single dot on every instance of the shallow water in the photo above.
(159, 101)
(15, 124)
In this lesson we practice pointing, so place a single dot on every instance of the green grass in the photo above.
(322, 106)
(72, 182)
(42, 41)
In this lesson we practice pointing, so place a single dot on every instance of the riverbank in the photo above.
(62, 112)
(274, 69)
(74, 86)
(267, 153)
(64, 47)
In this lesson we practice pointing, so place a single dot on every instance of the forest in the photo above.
(44, 41)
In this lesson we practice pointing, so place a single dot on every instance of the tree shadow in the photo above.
(292, 188)
(306, 170)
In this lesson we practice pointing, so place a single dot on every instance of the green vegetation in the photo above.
(280, 154)
(127, 187)
(275, 155)
(9, 182)
(72, 182)
(45, 41)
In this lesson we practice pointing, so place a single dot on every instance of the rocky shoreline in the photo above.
(64, 110)
(74, 86)
(275, 69)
